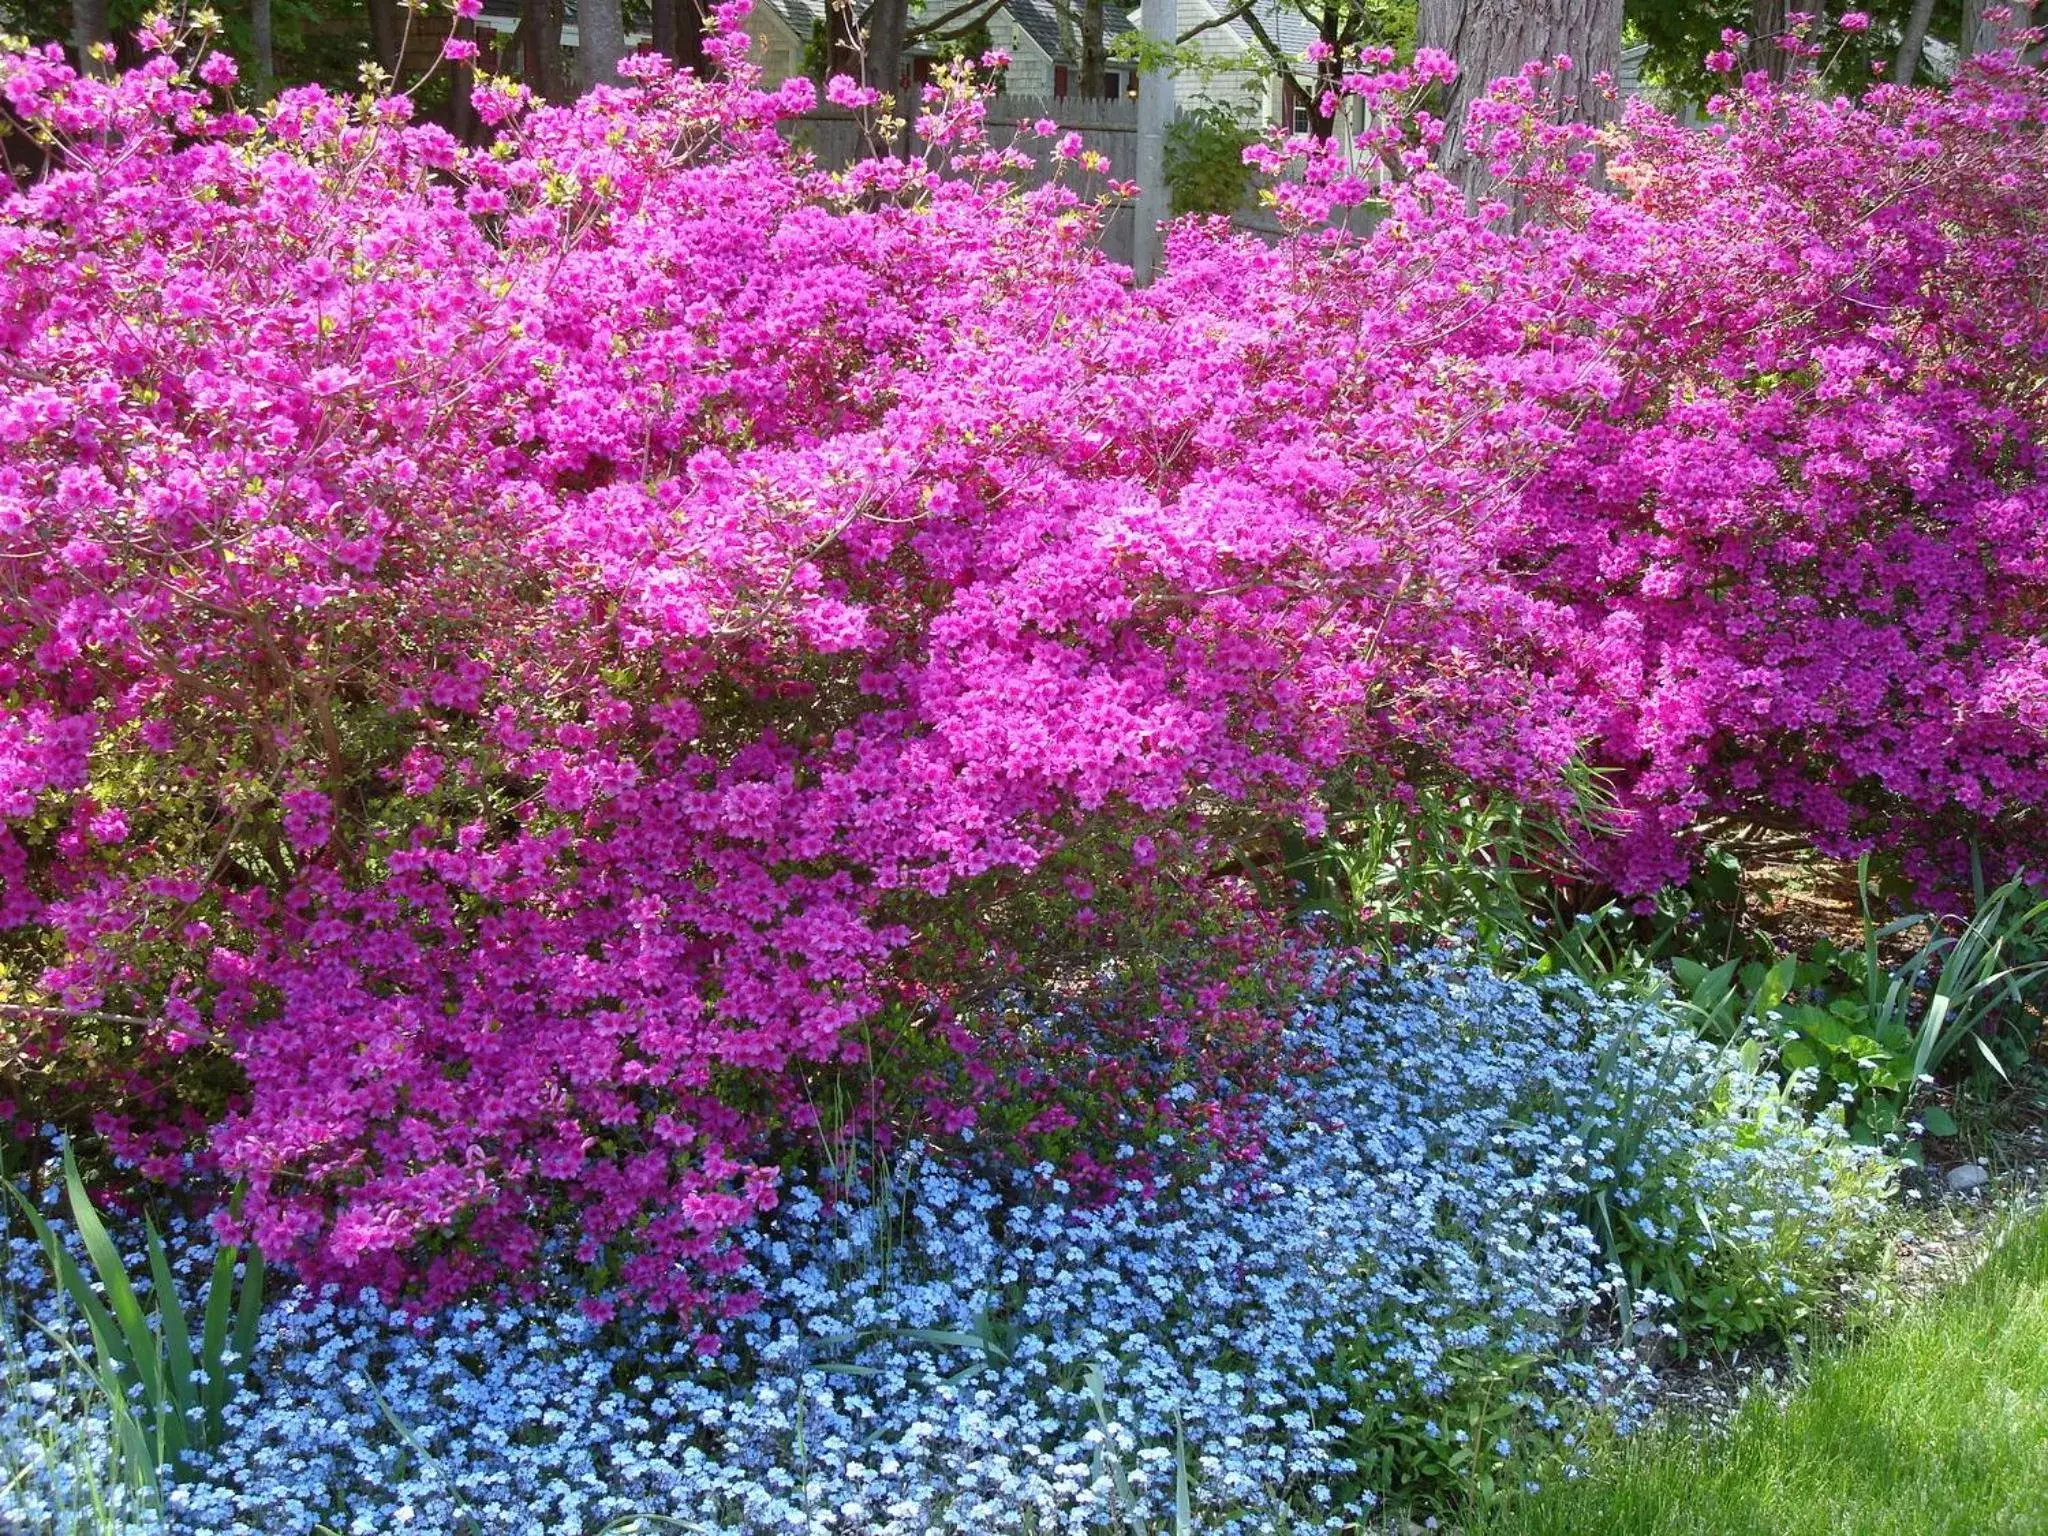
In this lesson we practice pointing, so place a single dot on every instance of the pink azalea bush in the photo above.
(527, 669)
(1749, 446)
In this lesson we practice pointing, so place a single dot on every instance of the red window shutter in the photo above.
(1059, 79)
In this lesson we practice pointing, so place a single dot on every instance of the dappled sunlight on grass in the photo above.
(1937, 1423)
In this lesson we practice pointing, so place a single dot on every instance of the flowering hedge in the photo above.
(521, 663)
(1751, 445)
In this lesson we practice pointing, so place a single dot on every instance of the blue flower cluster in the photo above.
(58, 1463)
(958, 1352)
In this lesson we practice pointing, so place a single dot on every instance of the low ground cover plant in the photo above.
(1392, 1304)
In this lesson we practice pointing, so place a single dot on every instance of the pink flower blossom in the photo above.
(844, 91)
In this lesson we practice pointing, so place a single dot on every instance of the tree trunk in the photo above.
(601, 42)
(1069, 35)
(1979, 34)
(888, 20)
(1766, 26)
(461, 82)
(1907, 64)
(263, 53)
(1094, 62)
(842, 39)
(387, 35)
(89, 29)
(679, 33)
(1329, 78)
(1492, 38)
(540, 61)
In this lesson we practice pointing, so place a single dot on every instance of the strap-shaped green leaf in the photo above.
(144, 1357)
(181, 1393)
(250, 1312)
(213, 1339)
(106, 1336)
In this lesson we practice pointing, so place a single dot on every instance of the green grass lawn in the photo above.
(1937, 1423)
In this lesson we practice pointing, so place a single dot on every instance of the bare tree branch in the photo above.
(1280, 60)
(937, 25)
(1243, 8)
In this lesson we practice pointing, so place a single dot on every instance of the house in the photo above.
(1234, 68)
(1042, 61)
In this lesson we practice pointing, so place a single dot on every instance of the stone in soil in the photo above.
(1966, 1177)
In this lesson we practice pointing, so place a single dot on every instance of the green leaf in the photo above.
(213, 1341)
(1183, 1511)
(105, 1336)
(944, 1338)
(250, 1313)
(179, 1396)
(143, 1358)
(1937, 1121)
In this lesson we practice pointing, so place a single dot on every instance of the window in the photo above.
(1293, 108)
(1114, 82)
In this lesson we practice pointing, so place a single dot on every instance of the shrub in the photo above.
(529, 654)
(1753, 448)
(1205, 166)
(519, 663)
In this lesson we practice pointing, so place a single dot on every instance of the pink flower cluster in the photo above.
(522, 649)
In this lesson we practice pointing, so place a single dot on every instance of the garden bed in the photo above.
(690, 840)
(1401, 1299)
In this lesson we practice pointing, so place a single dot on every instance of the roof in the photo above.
(802, 15)
(1287, 27)
(1290, 30)
(1041, 23)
